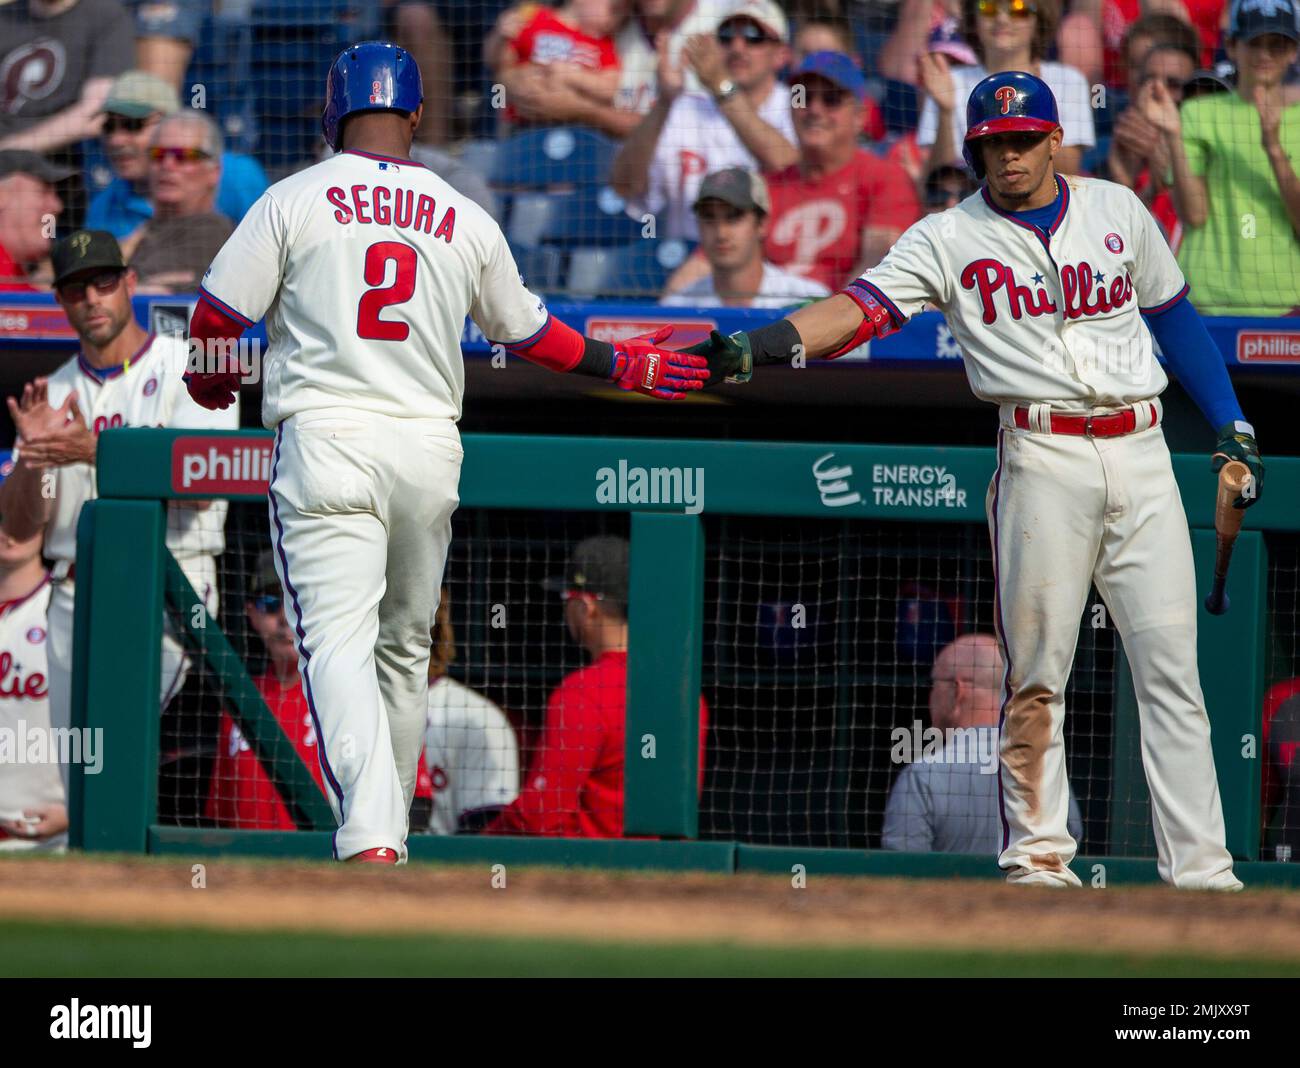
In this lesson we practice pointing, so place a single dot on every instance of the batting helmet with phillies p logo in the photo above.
(1011, 100)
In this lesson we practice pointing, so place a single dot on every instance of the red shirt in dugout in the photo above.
(815, 229)
(575, 787)
(241, 794)
(545, 39)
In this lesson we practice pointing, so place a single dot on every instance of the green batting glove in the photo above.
(730, 358)
(1237, 442)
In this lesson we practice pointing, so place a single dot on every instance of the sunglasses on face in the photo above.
(1017, 9)
(177, 155)
(832, 96)
(268, 603)
(747, 32)
(124, 122)
(75, 292)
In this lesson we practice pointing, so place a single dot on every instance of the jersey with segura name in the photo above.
(365, 269)
(1043, 316)
(146, 391)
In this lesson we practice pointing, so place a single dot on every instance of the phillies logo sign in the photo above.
(989, 277)
(1005, 95)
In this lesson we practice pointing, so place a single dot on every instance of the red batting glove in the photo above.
(640, 365)
(213, 390)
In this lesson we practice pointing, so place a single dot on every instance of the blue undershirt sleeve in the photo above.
(1196, 361)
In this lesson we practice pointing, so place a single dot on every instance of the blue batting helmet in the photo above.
(369, 76)
(1012, 100)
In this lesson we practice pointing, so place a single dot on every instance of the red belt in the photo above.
(1091, 426)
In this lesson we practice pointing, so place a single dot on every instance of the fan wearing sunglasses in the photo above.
(172, 249)
(743, 119)
(1006, 35)
(136, 104)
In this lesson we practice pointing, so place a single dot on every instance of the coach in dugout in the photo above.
(122, 376)
(575, 787)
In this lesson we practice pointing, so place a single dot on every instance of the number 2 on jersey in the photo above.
(375, 300)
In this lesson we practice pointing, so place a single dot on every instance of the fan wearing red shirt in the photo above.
(558, 54)
(27, 204)
(241, 794)
(838, 210)
(575, 787)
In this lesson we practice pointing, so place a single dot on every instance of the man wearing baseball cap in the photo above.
(136, 103)
(838, 209)
(27, 203)
(575, 787)
(731, 211)
(742, 119)
(1234, 159)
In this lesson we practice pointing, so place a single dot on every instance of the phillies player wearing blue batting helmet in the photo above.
(1012, 101)
(369, 76)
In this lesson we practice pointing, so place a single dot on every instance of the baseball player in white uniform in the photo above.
(122, 376)
(365, 267)
(33, 805)
(470, 752)
(1053, 286)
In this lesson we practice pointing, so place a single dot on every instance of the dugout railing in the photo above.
(126, 577)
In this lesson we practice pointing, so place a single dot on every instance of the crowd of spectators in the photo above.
(851, 113)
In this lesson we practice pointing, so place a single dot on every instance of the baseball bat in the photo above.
(1233, 477)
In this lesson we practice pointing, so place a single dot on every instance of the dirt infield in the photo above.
(651, 908)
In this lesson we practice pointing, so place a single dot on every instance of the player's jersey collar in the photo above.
(1063, 205)
(104, 374)
(384, 159)
(10, 605)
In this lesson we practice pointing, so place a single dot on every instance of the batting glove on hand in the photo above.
(640, 365)
(1236, 445)
(730, 359)
(213, 390)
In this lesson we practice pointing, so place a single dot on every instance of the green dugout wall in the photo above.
(125, 574)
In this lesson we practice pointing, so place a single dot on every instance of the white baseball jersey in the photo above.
(638, 62)
(25, 708)
(1068, 85)
(365, 268)
(1042, 316)
(470, 752)
(697, 140)
(145, 391)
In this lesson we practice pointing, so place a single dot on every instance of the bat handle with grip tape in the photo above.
(1233, 477)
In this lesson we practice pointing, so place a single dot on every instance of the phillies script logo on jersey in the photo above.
(221, 466)
(13, 683)
(989, 277)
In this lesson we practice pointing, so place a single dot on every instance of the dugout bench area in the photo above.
(882, 548)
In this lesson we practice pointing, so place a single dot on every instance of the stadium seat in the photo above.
(569, 220)
(901, 106)
(565, 156)
(293, 43)
(637, 270)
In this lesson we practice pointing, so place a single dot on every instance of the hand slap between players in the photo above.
(641, 365)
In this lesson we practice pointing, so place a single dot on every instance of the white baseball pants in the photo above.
(1064, 512)
(360, 508)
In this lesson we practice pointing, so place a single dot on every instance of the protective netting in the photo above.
(590, 147)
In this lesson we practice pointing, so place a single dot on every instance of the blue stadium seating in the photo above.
(559, 156)
(541, 268)
(480, 156)
(639, 269)
(570, 219)
(293, 42)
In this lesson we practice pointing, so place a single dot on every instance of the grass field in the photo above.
(62, 949)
